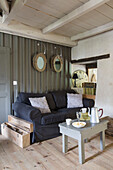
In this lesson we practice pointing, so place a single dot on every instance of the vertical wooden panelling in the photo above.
(45, 74)
(29, 79)
(35, 73)
(51, 72)
(15, 60)
(32, 70)
(20, 66)
(20, 63)
(38, 74)
(11, 69)
(23, 64)
(1, 39)
(62, 72)
(29, 64)
(42, 80)
(49, 53)
(59, 74)
(6, 40)
(57, 82)
(69, 68)
(54, 73)
(47, 67)
(66, 68)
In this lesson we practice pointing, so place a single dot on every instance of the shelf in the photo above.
(88, 96)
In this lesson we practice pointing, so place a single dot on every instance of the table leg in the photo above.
(64, 143)
(81, 151)
(102, 140)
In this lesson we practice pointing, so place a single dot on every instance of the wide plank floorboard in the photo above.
(48, 155)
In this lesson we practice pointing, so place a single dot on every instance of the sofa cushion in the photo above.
(40, 103)
(74, 100)
(50, 101)
(59, 116)
(24, 98)
(60, 98)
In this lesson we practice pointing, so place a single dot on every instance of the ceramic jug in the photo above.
(94, 114)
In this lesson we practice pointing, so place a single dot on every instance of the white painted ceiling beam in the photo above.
(16, 28)
(15, 7)
(4, 6)
(87, 7)
(93, 32)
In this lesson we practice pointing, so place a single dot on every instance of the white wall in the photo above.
(95, 46)
(75, 67)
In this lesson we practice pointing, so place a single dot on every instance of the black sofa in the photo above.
(46, 125)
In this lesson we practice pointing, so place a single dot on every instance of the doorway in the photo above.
(4, 83)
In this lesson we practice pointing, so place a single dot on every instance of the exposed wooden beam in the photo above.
(90, 59)
(16, 28)
(15, 7)
(87, 7)
(93, 32)
(4, 5)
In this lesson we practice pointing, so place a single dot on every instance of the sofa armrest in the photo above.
(88, 102)
(27, 112)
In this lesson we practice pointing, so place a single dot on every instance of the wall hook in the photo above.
(56, 48)
(38, 44)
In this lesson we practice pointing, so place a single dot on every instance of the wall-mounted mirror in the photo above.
(56, 63)
(39, 62)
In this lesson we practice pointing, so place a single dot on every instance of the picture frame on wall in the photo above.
(92, 75)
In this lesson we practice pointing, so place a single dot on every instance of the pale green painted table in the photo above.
(81, 134)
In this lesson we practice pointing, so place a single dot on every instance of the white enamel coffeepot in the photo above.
(94, 114)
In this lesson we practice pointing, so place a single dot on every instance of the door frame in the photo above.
(7, 49)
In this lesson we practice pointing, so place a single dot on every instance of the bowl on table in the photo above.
(79, 124)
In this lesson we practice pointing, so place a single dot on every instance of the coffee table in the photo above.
(81, 134)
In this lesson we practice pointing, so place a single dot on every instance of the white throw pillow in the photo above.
(74, 100)
(41, 104)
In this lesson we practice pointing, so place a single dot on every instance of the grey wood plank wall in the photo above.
(22, 71)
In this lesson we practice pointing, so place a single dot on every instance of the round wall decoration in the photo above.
(39, 62)
(56, 63)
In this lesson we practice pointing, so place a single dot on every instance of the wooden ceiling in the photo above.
(41, 13)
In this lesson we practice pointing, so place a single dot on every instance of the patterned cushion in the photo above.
(41, 104)
(74, 100)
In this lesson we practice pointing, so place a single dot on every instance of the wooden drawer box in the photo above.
(17, 130)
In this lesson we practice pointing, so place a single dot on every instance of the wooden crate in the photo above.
(17, 130)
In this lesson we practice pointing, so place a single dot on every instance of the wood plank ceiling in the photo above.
(41, 13)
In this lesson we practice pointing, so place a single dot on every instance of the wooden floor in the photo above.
(48, 155)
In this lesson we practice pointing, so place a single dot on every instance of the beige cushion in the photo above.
(41, 104)
(74, 100)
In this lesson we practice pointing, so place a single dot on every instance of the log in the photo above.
(109, 130)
